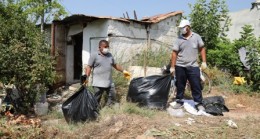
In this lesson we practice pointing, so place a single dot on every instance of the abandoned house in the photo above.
(75, 37)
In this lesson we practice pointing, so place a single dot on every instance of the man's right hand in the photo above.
(172, 70)
(84, 79)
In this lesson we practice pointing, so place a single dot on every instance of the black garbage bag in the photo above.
(215, 105)
(80, 107)
(151, 91)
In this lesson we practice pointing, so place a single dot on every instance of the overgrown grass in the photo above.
(54, 115)
(224, 81)
(18, 131)
(128, 108)
(154, 58)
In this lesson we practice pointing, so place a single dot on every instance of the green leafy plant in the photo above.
(250, 42)
(225, 56)
(206, 17)
(254, 62)
(24, 55)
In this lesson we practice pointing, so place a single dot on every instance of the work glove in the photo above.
(172, 70)
(203, 65)
(127, 74)
(84, 79)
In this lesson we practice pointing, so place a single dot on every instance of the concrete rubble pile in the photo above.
(60, 95)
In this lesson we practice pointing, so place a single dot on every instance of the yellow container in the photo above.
(239, 80)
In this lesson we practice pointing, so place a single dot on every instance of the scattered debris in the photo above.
(72, 88)
(232, 124)
(177, 124)
(22, 120)
(175, 112)
(154, 132)
(190, 121)
(60, 95)
(240, 106)
(41, 108)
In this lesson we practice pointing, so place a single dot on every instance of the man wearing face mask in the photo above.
(101, 64)
(185, 66)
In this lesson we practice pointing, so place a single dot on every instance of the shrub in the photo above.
(24, 56)
(250, 42)
(225, 56)
(254, 60)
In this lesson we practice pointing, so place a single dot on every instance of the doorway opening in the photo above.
(78, 44)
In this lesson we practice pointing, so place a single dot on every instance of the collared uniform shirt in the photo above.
(188, 50)
(102, 69)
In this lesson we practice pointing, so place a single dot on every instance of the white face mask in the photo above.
(105, 50)
(184, 30)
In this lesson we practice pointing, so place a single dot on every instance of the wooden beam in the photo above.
(135, 15)
(127, 15)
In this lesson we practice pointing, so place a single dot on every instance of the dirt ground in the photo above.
(244, 113)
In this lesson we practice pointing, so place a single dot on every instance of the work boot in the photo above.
(200, 107)
(110, 102)
(177, 105)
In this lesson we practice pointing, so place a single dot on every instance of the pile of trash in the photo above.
(9, 97)
(76, 102)
(150, 91)
(153, 92)
(214, 106)
(60, 95)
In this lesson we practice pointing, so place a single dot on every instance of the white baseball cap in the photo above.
(184, 23)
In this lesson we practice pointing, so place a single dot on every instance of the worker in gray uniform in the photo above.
(101, 63)
(185, 66)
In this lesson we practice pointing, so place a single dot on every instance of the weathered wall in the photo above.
(92, 34)
(241, 18)
(69, 63)
(165, 31)
(60, 50)
(128, 39)
(162, 35)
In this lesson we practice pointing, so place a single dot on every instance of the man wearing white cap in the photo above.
(185, 66)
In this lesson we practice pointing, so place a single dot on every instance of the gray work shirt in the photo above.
(188, 50)
(102, 69)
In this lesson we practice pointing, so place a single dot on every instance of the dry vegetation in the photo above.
(126, 120)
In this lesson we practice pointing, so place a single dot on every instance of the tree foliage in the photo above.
(206, 18)
(24, 54)
(226, 56)
(252, 44)
(50, 9)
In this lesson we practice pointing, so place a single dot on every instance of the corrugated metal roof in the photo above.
(87, 18)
